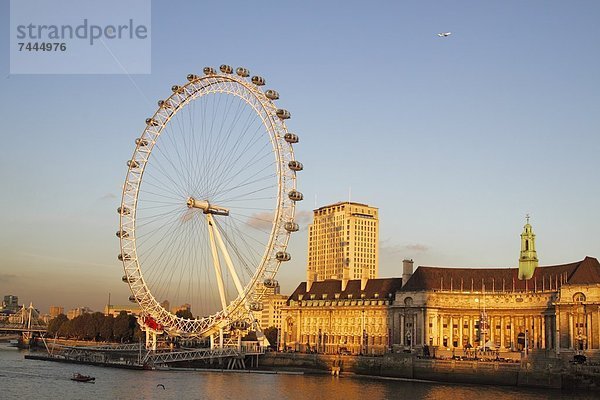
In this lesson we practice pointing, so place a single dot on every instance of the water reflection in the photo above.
(24, 379)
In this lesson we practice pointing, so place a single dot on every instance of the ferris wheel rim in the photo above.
(284, 211)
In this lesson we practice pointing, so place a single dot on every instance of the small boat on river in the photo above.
(82, 378)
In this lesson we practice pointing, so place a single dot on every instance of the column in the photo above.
(537, 331)
(461, 332)
(435, 330)
(502, 333)
(543, 331)
(571, 330)
(588, 333)
(402, 342)
(451, 331)
(425, 331)
(491, 328)
(512, 333)
(470, 330)
(415, 317)
(557, 337)
(441, 329)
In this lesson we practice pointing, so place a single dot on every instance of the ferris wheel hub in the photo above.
(206, 207)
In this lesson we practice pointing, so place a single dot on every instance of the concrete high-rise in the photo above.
(343, 242)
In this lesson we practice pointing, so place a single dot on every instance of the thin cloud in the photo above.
(395, 249)
(418, 247)
(264, 220)
(7, 278)
(108, 196)
(261, 220)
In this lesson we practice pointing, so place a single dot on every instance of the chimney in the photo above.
(345, 277)
(364, 278)
(310, 275)
(407, 270)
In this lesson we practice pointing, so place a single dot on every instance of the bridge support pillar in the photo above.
(151, 339)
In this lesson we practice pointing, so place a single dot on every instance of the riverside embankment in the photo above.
(546, 373)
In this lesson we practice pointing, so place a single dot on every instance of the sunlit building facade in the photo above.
(556, 309)
(343, 239)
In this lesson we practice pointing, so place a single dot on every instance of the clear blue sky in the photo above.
(454, 139)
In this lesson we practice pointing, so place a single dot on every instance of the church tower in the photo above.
(528, 260)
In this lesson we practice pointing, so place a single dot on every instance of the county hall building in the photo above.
(549, 309)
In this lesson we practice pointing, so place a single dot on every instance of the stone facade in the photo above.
(557, 309)
(336, 316)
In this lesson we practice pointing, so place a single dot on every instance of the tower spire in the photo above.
(528, 260)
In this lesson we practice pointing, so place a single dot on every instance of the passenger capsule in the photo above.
(122, 234)
(291, 138)
(295, 195)
(243, 72)
(295, 165)
(283, 256)
(291, 226)
(132, 299)
(133, 164)
(141, 142)
(176, 89)
(283, 114)
(270, 283)
(209, 71)
(192, 77)
(124, 257)
(256, 306)
(124, 210)
(164, 104)
(226, 69)
(241, 325)
(272, 94)
(151, 122)
(258, 80)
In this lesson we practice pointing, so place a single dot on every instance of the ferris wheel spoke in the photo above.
(243, 195)
(221, 148)
(231, 161)
(245, 183)
(177, 186)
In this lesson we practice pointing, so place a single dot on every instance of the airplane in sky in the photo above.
(444, 34)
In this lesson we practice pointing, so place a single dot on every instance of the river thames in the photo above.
(32, 379)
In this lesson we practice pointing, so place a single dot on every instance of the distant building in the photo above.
(115, 310)
(11, 303)
(55, 311)
(272, 302)
(76, 312)
(343, 242)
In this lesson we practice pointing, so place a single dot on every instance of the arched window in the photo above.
(579, 297)
(408, 301)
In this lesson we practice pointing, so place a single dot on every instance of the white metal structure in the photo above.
(208, 204)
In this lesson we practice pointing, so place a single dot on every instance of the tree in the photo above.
(185, 313)
(106, 328)
(271, 334)
(121, 329)
(55, 324)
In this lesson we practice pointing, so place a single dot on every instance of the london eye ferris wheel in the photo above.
(208, 203)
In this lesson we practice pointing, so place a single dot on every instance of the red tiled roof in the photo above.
(586, 271)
